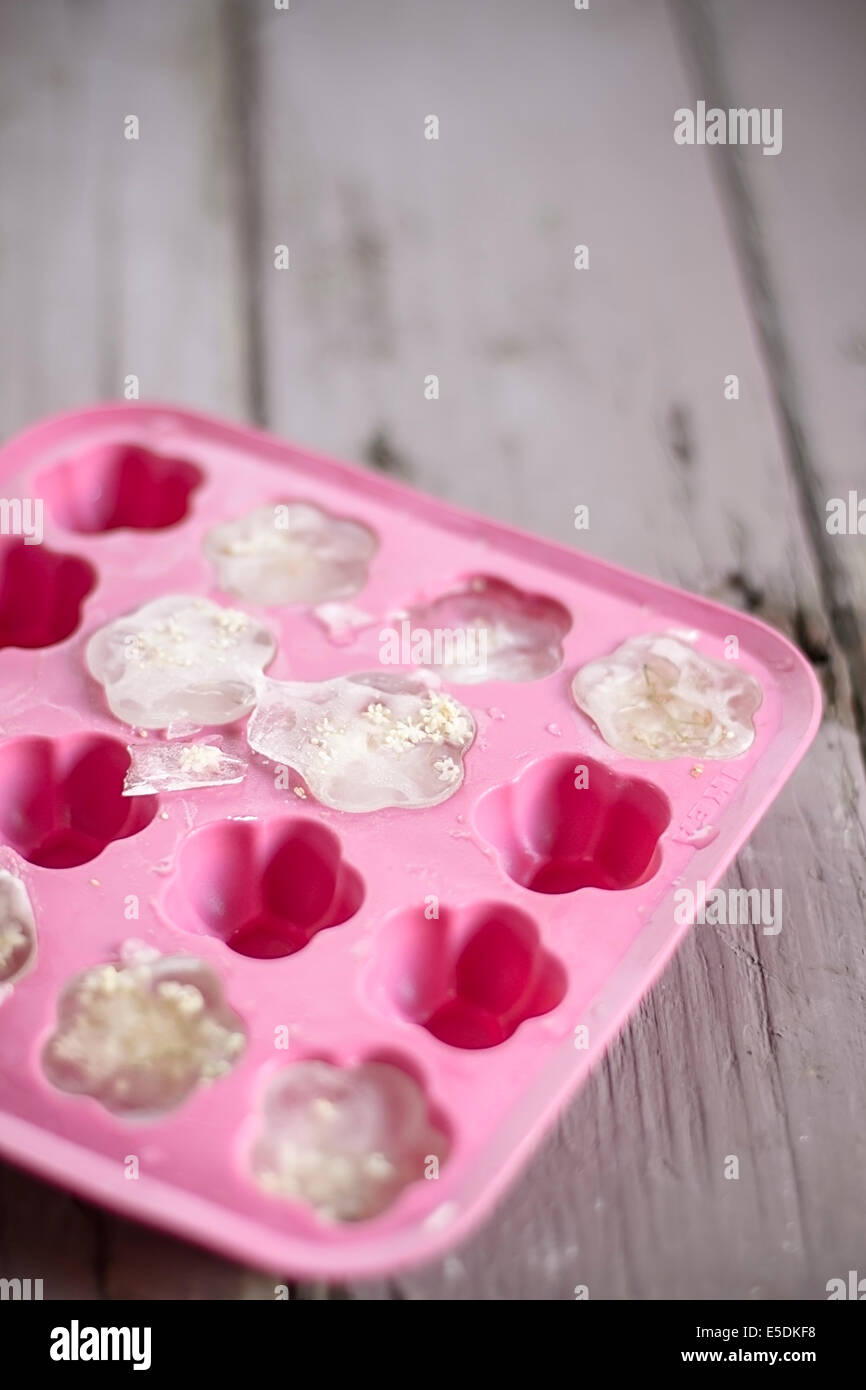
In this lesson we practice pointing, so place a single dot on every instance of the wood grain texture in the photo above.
(798, 224)
(558, 387)
(119, 256)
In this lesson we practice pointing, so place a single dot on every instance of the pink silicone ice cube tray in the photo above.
(129, 492)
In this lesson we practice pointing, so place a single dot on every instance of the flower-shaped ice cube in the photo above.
(345, 1141)
(180, 660)
(140, 1036)
(17, 928)
(365, 741)
(656, 697)
(490, 631)
(290, 552)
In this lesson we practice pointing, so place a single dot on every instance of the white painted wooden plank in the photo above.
(801, 238)
(118, 256)
(46, 1234)
(411, 256)
(810, 202)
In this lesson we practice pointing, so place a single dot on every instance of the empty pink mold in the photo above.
(41, 593)
(264, 889)
(61, 800)
(569, 822)
(119, 485)
(470, 976)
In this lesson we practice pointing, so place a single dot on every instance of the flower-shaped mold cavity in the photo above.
(365, 741)
(656, 697)
(344, 1141)
(180, 660)
(264, 888)
(41, 592)
(489, 631)
(62, 802)
(290, 552)
(472, 976)
(119, 485)
(569, 822)
(17, 929)
(140, 1036)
